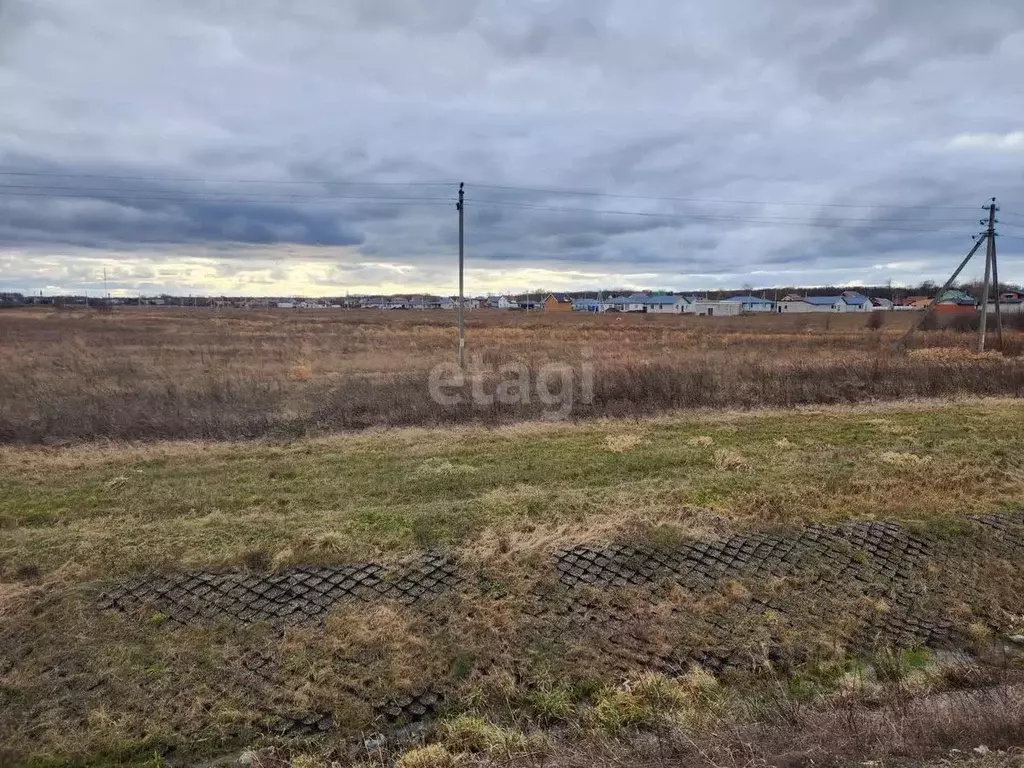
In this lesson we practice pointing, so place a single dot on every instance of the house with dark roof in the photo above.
(847, 301)
(667, 305)
(500, 302)
(635, 302)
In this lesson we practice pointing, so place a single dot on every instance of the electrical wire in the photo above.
(324, 182)
(122, 195)
(189, 194)
(128, 197)
(713, 217)
(480, 185)
(596, 193)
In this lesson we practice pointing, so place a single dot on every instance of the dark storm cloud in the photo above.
(855, 102)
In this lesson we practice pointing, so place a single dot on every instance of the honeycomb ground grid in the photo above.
(597, 591)
(890, 566)
(853, 550)
(295, 594)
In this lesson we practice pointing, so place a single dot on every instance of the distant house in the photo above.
(956, 302)
(500, 302)
(753, 303)
(557, 302)
(286, 305)
(715, 307)
(425, 302)
(879, 303)
(847, 301)
(855, 302)
(913, 302)
(637, 302)
(11, 299)
(586, 305)
(668, 305)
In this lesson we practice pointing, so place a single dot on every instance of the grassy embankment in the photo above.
(83, 685)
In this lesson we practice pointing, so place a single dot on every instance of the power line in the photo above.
(324, 182)
(715, 217)
(506, 187)
(130, 195)
(112, 196)
(596, 193)
(256, 195)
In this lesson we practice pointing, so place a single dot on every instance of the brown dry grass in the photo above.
(171, 373)
(80, 686)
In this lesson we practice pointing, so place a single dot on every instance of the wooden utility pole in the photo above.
(461, 207)
(990, 242)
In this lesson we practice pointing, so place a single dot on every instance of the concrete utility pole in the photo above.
(990, 253)
(461, 208)
(995, 279)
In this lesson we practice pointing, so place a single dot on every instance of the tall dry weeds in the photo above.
(145, 374)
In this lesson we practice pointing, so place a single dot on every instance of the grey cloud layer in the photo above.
(854, 101)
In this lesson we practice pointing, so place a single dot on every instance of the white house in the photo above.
(712, 307)
(673, 305)
(636, 302)
(425, 302)
(753, 303)
(632, 303)
(847, 301)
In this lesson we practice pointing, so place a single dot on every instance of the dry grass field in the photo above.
(144, 374)
(254, 537)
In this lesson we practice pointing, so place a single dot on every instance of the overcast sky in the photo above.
(212, 147)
